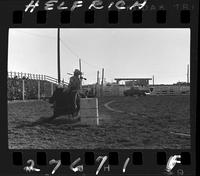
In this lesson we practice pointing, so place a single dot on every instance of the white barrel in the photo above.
(89, 111)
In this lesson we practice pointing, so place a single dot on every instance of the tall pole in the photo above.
(97, 77)
(188, 73)
(23, 90)
(153, 80)
(58, 52)
(97, 85)
(80, 64)
(38, 89)
(102, 82)
(80, 71)
(102, 77)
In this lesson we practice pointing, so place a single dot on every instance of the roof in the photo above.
(119, 79)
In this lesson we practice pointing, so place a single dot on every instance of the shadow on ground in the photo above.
(46, 121)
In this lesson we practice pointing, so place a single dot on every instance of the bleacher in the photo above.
(26, 86)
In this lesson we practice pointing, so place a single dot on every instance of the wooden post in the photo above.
(98, 77)
(38, 89)
(58, 52)
(153, 80)
(51, 89)
(80, 64)
(23, 90)
(97, 108)
(80, 70)
(188, 73)
(102, 82)
(97, 85)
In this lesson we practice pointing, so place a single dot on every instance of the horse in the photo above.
(65, 102)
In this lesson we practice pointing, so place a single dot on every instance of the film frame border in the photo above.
(150, 18)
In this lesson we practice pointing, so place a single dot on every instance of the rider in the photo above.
(67, 96)
(75, 81)
(74, 89)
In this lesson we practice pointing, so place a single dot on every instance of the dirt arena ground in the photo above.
(151, 122)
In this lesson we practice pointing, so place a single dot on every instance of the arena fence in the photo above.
(23, 86)
(118, 90)
(170, 90)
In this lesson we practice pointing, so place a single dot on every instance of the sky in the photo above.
(124, 53)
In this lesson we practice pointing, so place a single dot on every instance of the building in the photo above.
(131, 82)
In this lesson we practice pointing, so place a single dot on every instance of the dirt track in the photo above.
(143, 123)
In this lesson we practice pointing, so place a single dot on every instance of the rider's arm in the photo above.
(70, 83)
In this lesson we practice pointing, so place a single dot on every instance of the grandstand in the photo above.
(27, 86)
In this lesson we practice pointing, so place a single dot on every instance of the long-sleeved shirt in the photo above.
(75, 83)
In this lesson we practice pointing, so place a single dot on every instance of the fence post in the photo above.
(38, 89)
(97, 111)
(51, 89)
(23, 89)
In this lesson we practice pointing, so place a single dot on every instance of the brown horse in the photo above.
(65, 102)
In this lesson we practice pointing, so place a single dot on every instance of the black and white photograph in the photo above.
(98, 88)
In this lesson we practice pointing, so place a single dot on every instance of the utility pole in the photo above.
(58, 52)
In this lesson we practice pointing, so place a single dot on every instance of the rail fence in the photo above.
(26, 86)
